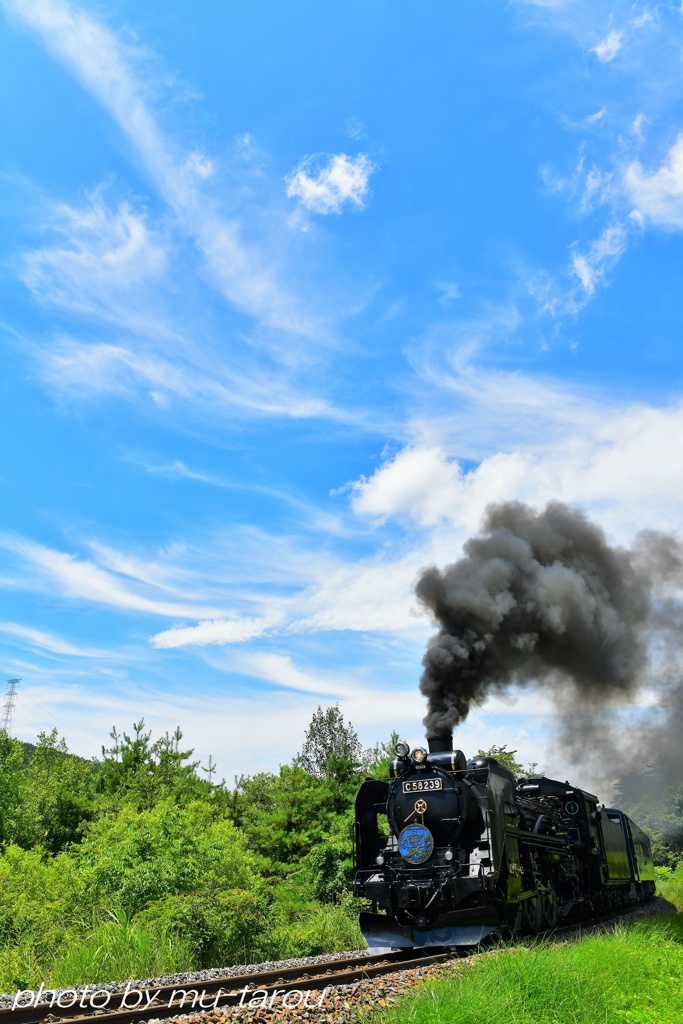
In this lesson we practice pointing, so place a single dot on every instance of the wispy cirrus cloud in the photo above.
(85, 370)
(178, 470)
(216, 632)
(612, 195)
(325, 184)
(43, 640)
(108, 68)
(111, 263)
(83, 579)
(105, 255)
(607, 49)
(592, 264)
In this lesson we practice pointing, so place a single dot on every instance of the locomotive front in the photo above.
(430, 872)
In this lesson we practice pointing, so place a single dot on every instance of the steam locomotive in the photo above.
(471, 853)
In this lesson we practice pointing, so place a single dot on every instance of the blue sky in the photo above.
(289, 294)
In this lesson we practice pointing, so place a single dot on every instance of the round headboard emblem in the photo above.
(416, 844)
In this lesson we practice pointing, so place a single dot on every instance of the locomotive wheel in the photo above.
(549, 910)
(531, 914)
(515, 922)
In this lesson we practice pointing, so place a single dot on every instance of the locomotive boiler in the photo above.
(451, 851)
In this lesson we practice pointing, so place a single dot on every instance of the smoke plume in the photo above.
(541, 598)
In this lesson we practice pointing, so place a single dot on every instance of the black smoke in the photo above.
(542, 599)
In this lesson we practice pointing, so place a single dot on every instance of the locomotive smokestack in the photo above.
(441, 742)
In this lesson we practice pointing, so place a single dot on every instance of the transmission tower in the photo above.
(8, 706)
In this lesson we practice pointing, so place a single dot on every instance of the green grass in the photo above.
(312, 932)
(117, 948)
(670, 885)
(121, 948)
(632, 975)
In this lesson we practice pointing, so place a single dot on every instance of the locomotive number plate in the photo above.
(422, 785)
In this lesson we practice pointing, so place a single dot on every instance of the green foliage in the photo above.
(509, 759)
(119, 947)
(331, 748)
(670, 885)
(650, 798)
(284, 816)
(138, 771)
(138, 866)
(382, 755)
(632, 975)
(11, 764)
(137, 857)
(56, 797)
(42, 904)
(302, 927)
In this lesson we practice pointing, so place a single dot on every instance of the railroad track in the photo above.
(135, 1005)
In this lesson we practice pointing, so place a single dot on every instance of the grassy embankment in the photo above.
(632, 975)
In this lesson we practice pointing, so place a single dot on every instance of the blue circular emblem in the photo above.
(416, 844)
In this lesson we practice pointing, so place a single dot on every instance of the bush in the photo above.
(120, 948)
(670, 885)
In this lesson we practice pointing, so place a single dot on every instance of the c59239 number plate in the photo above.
(422, 785)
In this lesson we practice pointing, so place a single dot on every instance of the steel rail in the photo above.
(233, 990)
(237, 989)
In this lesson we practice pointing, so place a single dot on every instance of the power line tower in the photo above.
(8, 706)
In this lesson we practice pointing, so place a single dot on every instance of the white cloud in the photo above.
(214, 631)
(591, 265)
(200, 165)
(108, 69)
(281, 670)
(82, 579)
(607, 49)
(407, 484)
(327, 187)
(81, 370)
(658, 197)
(105, 257)
(615, 461)
(43, 640)
(646, 18)
(355, 128)
(177, 470)
(450, 291)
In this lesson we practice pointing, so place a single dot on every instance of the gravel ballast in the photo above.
(344, 1004)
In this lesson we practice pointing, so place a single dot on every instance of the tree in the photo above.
(11, 763)
(140, 771)
(382, 755)
(56, 794)
(331, 747)
(509, 759)
(655, 803)
(285, 816)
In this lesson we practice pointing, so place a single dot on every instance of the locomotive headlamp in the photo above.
(419, 755)
(401, 749)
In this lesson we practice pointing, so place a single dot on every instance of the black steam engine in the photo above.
(470, 853)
